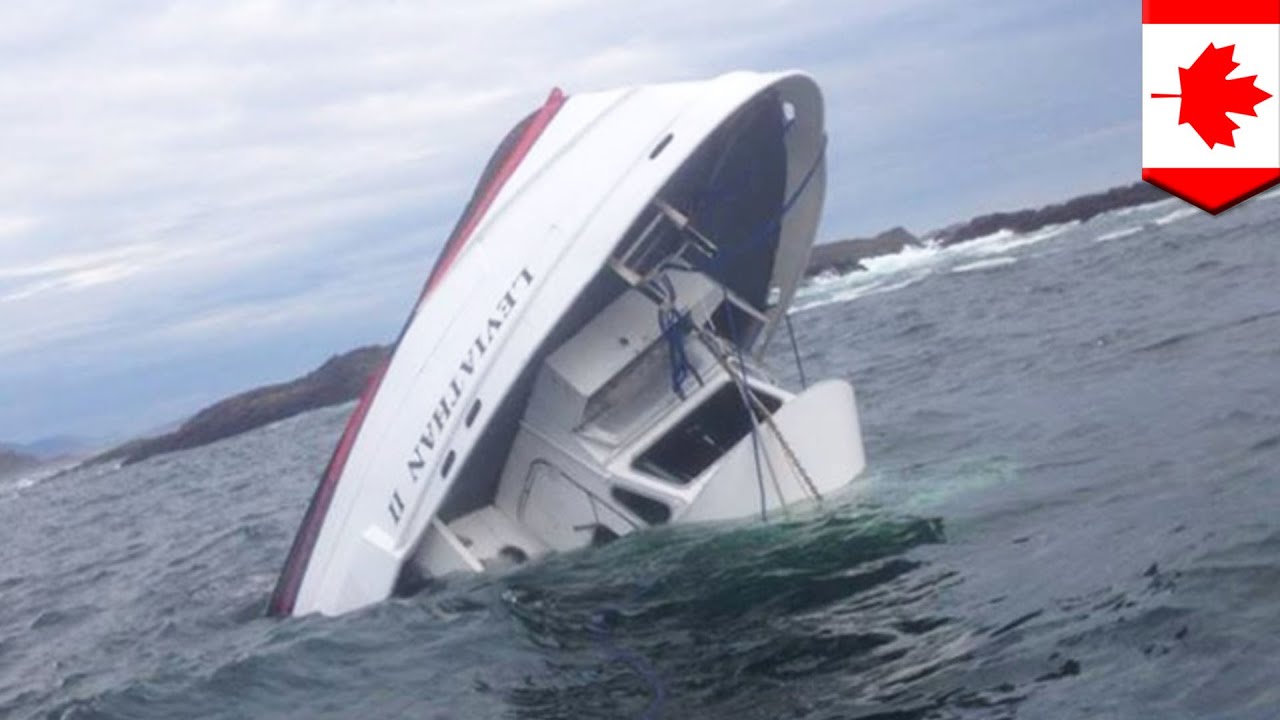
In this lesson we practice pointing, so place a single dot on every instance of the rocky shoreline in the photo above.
(846, 256)
(343, 377)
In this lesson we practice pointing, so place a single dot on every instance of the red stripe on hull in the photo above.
(1213, 189)
(286, 592)
(285, 595)
(530, 136)
(1200, 12)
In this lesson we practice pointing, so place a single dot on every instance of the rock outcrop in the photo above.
(340, 379)
(845, 256)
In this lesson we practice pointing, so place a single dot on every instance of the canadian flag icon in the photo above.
(1210, 111)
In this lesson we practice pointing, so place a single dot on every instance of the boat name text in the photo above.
(433, 433)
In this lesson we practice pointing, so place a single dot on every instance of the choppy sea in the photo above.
(1072, 510)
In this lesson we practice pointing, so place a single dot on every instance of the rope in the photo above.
(669, 320)
(795, 350)
(786, 449)
(675, 325)
(777, 486)
(746, 404)
(600, 625)
(766, 416)
(717, 262)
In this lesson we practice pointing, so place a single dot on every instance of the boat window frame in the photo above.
(701, 466)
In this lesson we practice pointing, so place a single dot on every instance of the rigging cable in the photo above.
(721, 260)
(787, 450)
(600, 626)
(674, 332)
(795, 350)
(745, 392)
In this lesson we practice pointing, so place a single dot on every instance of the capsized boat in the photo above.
(585, 358)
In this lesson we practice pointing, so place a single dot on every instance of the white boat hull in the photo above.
(492, 310)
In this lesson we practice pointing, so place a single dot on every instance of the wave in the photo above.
(1116, 235)
(15, 485)
(1139, 208)
(888, 273)
(988, 264)
(854, 293)
(827, 277)
(1039, 236)
(1176, 215)
(885, 273)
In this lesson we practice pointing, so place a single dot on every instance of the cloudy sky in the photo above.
(199, 197)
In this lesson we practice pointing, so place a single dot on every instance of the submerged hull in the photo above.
(437, 433)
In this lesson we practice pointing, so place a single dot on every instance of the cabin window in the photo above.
(732, 322)
(647, 509)
(448, 464)
(628, 397)
(702, 437)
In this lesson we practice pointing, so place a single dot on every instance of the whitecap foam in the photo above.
(826, 277)
(925, 258)
(37, 475)
(1117, 234)
(1140, 208)
(16, 485)
(1176, 215)
(1004, 241)
(987, 264)
(910, 259)
(882, 274)
(985, 245)
(888, 273)
(854, 293)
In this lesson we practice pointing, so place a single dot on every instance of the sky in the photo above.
(200, 197)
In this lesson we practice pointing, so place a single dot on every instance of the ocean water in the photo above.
(1072, 510)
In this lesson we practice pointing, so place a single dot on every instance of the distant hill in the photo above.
(12, 463)
(341, 378)
(57, 446)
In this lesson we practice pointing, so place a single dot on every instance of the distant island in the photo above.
(13, 462)
(18, 458)
(338, 380)
(342, 378)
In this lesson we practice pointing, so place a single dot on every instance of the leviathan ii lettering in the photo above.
(433, 432)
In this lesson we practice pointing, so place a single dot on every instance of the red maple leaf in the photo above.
(1207, 96)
